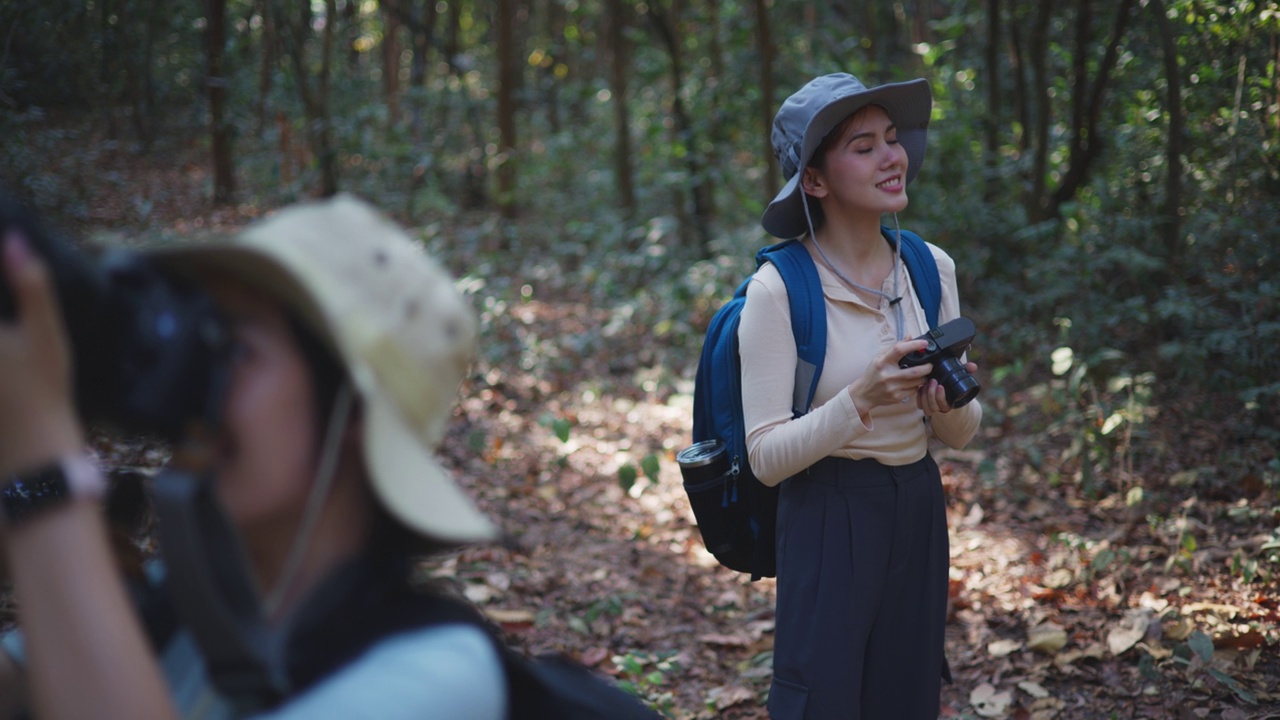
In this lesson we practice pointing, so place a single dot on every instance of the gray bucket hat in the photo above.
(814, 111)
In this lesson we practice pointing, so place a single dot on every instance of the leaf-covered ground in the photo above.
(1152, 595)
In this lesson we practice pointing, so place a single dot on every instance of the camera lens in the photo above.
(959, 385)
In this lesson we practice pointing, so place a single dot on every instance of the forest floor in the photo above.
(1150, 596)
(1120, 605)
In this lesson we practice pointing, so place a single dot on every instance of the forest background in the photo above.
(1106, 174)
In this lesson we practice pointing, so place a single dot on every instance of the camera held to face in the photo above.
(947, 343)
(151, 353)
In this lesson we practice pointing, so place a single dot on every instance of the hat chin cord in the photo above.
(895, 300)
(316, 497)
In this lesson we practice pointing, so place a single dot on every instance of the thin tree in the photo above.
(391, 59)
(667, 29)
(623, 171)
(216, 82)
(507, 81)
(295, 34)
(764, 44)
(1170, 224)
(1087, 97)
(991, 124)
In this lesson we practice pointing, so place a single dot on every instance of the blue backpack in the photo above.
(736, 513)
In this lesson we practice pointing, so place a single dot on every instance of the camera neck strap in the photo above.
(214, 595)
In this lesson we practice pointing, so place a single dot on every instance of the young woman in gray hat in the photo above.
(862, 534)
(287, 536)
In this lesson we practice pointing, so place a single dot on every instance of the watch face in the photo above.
(30, 493)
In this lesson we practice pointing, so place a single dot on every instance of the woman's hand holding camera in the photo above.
(885, 383)
(38, 422)
(932, 399)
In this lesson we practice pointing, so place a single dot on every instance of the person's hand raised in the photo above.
(38, 422)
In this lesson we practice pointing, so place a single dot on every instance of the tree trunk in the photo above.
(506, 41)
(1087, 108)
(391, 60)
(423, 26)
(322, 123)
(315, 99)
(266, 68)
(1170, 223)
(110, 66)
(685, 136)
(1021, 96)
(216, 82)
(764, 44)
(351, 21)
(622, 169)
(992, 120)
(924, 8)
(1036, 203)
(547, 68)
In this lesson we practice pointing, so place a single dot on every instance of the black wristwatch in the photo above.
(32, 492)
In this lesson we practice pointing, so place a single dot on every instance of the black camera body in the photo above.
(947, 344)
(151, 355)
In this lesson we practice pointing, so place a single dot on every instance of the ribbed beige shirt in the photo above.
(779, 446)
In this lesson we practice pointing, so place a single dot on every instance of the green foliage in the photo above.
(1197, 656)
(1152, 319)
(644, 674)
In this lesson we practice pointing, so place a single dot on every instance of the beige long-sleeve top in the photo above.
(779, 446)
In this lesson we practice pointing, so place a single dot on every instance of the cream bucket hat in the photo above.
(395, 321)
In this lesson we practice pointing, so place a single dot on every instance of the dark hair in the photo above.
(327, 372)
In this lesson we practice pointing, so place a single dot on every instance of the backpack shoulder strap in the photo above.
(923, 270)
(808, 316)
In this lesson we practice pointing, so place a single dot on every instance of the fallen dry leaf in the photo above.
(1131, 628)
(736, 640)
(1003, 648)
(727, 696)
(1047, 637)
(987, 702)
(1033, 689)
(509, 617)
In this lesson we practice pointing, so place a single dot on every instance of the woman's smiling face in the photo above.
(863, 169)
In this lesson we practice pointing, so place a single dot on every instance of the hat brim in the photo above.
(406, 478)
(413, 486)
(908, 105)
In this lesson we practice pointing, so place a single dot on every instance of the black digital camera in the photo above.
(151, 354)
(947, 343)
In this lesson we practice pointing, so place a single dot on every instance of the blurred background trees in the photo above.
(1107, 174)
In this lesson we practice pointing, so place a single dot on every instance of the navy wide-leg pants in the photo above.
(862, 592)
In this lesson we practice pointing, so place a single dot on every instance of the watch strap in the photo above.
(32, 492)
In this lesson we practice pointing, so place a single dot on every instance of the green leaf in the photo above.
(650, 466)
(561, 428)
(627, 477)
(1102, 560)
(1201, 644)
(1240, 690)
